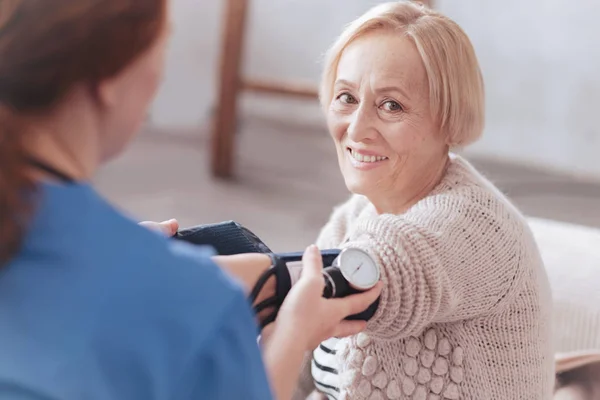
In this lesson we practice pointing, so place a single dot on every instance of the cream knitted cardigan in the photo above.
(466, 308)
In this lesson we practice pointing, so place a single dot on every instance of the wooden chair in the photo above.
(232, 84)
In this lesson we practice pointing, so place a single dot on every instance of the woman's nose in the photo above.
(361, 126)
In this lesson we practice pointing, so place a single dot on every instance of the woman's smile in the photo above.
(365, 160)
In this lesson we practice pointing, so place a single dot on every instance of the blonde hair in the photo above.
(456, 90)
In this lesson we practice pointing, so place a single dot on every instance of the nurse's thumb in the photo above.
(167, 228)
(170, 227)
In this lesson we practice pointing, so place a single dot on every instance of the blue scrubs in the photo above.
(96, 307)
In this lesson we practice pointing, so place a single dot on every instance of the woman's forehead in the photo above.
(382, 60)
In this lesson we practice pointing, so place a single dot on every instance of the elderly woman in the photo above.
(466, 308)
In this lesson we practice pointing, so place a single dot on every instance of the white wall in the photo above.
(285, 39)
(541, 62)
(540, 59)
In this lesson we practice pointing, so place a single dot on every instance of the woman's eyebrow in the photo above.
(387, 89)
(383, 89)
(344, 82)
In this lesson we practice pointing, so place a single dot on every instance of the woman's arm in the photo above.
(247, 268)
(441, 265)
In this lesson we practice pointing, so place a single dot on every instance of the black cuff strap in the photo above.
(263, 305)
(260, 283)
(271, 318)
(283, 284)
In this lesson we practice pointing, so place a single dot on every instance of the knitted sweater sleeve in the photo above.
(449, 258)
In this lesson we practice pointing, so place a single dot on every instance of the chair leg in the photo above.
(223, 133)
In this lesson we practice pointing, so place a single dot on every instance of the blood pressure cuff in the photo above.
(286, 268)
(230, 237)
(227, 238)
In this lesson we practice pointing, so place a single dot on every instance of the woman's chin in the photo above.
(359, 181)
(357, 186)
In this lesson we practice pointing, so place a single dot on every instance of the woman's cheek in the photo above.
(336, 126)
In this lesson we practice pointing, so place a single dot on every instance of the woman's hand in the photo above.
(168, 228)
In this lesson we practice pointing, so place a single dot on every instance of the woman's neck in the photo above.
(399, 201)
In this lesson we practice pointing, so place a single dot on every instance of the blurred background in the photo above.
(539, 60)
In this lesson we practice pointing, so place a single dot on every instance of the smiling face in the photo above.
(388, 144)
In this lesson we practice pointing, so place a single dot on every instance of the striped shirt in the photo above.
(324, 369)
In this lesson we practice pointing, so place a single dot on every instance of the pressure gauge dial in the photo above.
(358, 268)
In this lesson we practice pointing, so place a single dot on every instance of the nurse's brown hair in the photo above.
(46, 48)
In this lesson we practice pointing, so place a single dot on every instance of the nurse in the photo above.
(93, 305)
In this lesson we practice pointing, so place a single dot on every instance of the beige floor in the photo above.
(287, 183)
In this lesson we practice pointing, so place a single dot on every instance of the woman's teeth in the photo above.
(359, 157)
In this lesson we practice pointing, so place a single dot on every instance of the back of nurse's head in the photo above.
(97, 62)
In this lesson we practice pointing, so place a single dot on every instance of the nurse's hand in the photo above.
(305, 319)
(168, 228)
(315, 318)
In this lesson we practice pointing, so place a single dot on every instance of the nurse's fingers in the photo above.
(168, 228)
(349, 328)
(357, 303)
(312, 264)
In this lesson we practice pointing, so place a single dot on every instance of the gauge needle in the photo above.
(357, 268)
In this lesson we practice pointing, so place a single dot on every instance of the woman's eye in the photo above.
(347, 98)
(392, 106)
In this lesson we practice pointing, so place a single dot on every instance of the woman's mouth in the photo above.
(364, 161)
(365, 158)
